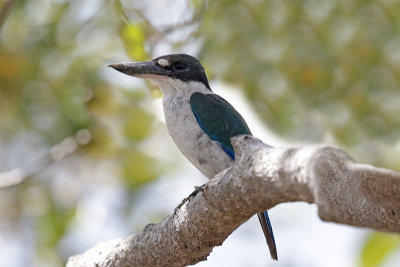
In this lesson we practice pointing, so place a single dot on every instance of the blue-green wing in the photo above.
(218, 119)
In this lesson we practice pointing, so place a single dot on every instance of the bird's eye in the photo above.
(179, 66)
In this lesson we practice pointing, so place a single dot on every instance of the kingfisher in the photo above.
(199, 121)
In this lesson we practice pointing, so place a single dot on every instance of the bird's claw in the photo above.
(197, 189)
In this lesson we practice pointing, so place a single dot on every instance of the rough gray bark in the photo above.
(260, 178)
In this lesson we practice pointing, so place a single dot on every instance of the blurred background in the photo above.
(84, 152)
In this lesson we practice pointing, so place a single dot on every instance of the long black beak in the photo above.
(147, 69)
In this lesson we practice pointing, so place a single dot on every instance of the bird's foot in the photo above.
(197, 189)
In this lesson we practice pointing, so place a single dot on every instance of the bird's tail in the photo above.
(269, 235)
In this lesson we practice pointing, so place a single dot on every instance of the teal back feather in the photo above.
(218, 119)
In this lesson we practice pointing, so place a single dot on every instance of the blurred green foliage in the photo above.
(315, 71)
(52, 60)
(377, 247)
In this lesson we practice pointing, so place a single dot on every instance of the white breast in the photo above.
(204, 153)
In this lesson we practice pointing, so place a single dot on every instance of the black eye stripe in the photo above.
(183, 67)
(179, 66)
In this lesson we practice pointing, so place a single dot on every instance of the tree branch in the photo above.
(5, 10)
(260, 178)
(56, 153)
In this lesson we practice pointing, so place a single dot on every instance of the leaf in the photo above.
(133, 37)
(377, 248)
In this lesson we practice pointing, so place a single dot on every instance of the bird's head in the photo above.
(171, 72)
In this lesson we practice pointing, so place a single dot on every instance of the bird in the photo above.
(199, 121)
